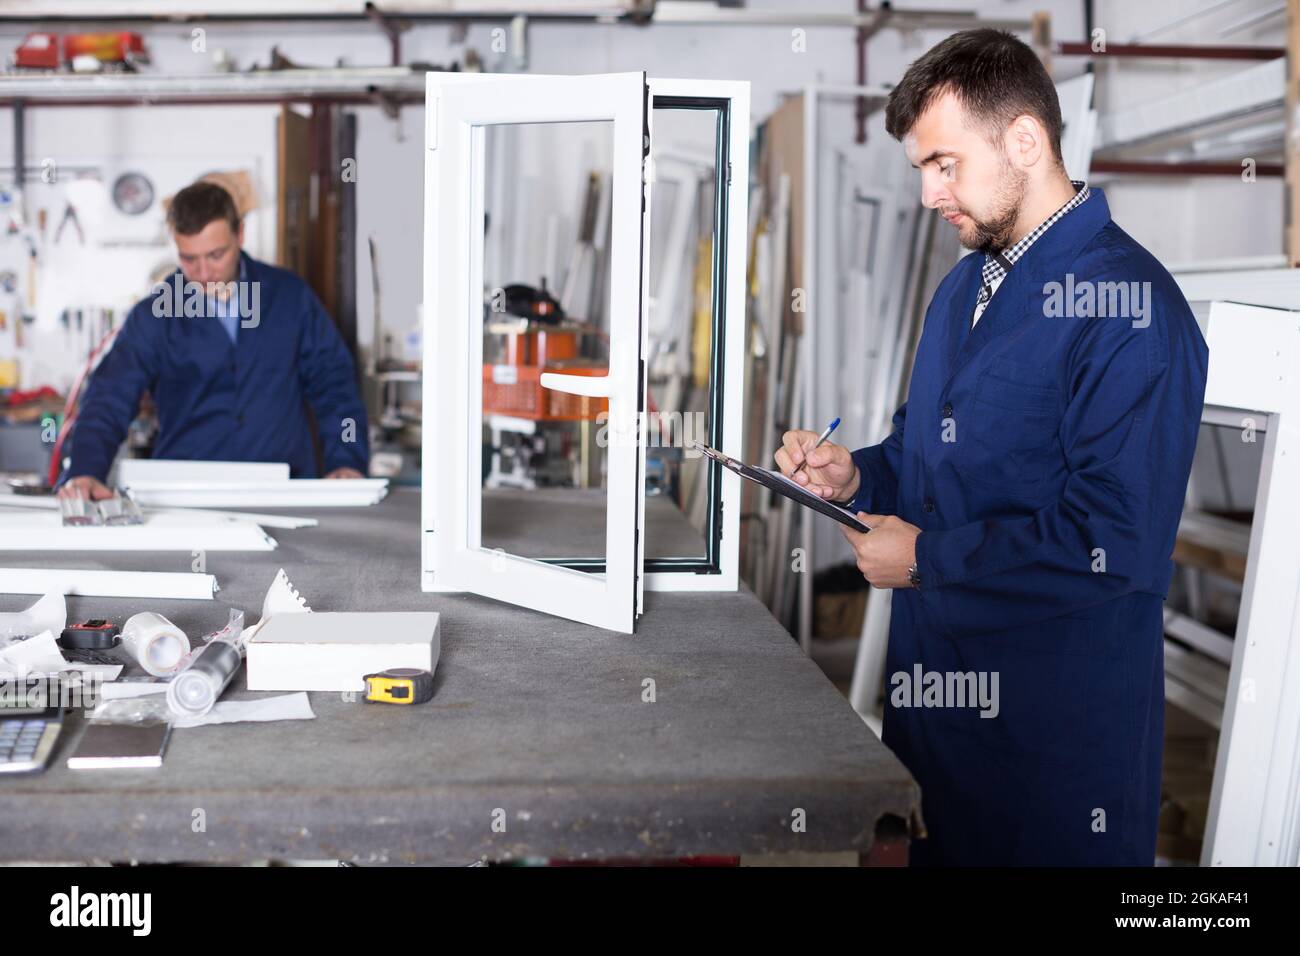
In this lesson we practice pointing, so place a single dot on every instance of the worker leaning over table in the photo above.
(1025, 505)
(232, 363)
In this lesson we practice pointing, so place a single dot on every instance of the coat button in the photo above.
(928, 507)
(947, 409)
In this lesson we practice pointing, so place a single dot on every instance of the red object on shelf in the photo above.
(16, 397)
(38, 51)
(517, 390)
(120, 47)
(47, 51)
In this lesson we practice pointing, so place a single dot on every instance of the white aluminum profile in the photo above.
(45, 532)
(256, 517)
(297, 493)
(458, 108)
(267, 85)
(1253, 90)
(1254, 814)
(1271, 288)
(201, 10)
(166, 469)
(50, 503)
(87, 583)
(732, 276)
(1080, 125)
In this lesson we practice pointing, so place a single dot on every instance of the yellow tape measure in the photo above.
(399, 685)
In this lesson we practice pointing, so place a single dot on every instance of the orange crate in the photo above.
(517, 390)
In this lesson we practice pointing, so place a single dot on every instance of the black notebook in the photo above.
(110, 746)
(784, 486)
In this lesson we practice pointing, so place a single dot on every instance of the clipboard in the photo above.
(782, 485)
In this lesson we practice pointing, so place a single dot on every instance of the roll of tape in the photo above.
(156, 643)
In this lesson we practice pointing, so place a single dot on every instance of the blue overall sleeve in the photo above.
(878, 469)
(112, 397)
(328, 379)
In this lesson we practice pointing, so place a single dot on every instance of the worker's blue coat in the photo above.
(224, 401)
(1047, 523)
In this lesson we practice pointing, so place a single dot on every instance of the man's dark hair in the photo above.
(994, 75)
(199, 204)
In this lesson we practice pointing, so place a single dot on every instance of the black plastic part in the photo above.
(95, 635)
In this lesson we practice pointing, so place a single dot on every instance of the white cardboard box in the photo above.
(334, 650)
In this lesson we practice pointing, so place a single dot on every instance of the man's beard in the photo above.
(996, 231)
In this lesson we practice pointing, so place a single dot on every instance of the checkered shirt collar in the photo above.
(998, 264)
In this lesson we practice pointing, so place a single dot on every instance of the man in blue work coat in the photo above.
(233, 351)
(1025, 505)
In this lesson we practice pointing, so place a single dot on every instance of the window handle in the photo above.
(592, 386)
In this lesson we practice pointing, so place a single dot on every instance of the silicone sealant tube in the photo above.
(208, 671)
(157, 645)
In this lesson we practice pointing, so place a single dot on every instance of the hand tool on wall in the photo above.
(31, 275)
(70, 214)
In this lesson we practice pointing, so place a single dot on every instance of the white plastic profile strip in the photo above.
(1251, 90)
(182, 498)
(298, 493)
(48, 503)
(45, 532)
(166, 469)
(1270, 288)
(75, 581)
(256, 517)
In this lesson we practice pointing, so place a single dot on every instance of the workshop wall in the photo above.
(389, 160)
(1171, 216)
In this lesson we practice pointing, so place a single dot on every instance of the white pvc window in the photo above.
(472, 540)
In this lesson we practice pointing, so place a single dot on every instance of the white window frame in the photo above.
(457, 110)
(731, 322)
(457, 107)
(1254, 813)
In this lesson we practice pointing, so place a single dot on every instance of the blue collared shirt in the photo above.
(227, 311)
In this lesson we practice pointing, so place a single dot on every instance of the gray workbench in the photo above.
(537, 717)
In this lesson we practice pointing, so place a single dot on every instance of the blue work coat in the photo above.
(1044, 455)
(220, 400)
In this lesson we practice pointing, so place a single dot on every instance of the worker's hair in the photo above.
(994, 75)
(199, 204)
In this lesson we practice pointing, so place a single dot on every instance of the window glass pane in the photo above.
(546, 277)
(546, 283)
(681, 484)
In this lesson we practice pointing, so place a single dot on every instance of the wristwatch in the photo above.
(914, 576)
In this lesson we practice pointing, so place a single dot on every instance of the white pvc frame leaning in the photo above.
(1254, 815)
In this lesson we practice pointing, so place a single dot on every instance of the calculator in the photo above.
(27, 737)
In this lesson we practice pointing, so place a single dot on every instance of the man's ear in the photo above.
(1026, 141)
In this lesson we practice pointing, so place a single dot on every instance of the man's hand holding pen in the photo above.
(827, 470)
